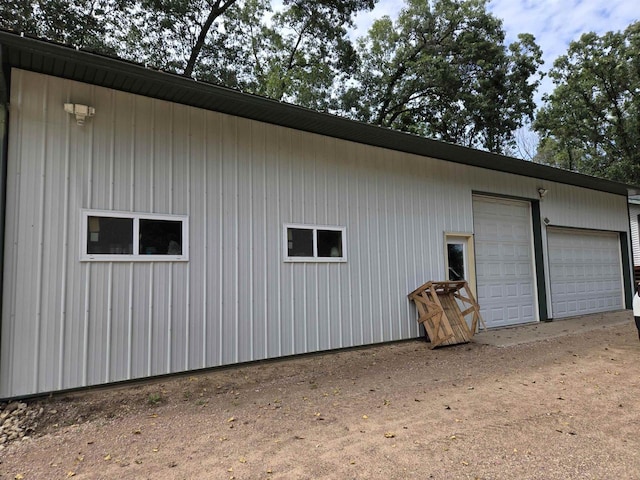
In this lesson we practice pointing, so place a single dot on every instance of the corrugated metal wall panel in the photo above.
(68, 323)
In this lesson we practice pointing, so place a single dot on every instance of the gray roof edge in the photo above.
(234, 102)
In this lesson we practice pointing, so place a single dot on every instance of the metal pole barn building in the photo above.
(152, 224)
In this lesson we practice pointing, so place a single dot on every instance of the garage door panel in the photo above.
(511, 290)
(504, 261)
(585, 272)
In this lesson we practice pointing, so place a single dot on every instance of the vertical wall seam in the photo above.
(398, 303)
(107, 373)
(40, 251)
(130, 324)
(249, 181)
(220, 242)
(65, 247)
(379, 261)
(360, 253)
(341, 221)
(151, 265)
(265, 246)
(305, 329)
(132, 206)
(169, 299)
(388, 223)
(370, 220)
(187, 296)
(112, 146)
(236, 252)
(87, 286)
(278, 249)
(291, 268)
(150, 321)
(205, 246)
(315, 267)
(408, 266)
(170, 318)
(347, 244)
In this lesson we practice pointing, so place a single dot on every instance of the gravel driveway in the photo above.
(560, 408)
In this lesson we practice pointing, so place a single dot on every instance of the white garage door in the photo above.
(504, 261)
(585, 272)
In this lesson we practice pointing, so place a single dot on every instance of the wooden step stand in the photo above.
(439, 312)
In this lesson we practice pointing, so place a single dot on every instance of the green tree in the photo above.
(308, 51)
(172, 35)
(442, 70)
(297, 54)
(88, 24)
(591, 121)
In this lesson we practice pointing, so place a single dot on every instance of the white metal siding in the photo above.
(504, 261)
(67, 324)
(585, 272)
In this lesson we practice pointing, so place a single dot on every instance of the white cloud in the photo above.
(556, 23)
(383, 7)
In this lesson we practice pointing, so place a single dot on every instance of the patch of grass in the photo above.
(154, 399)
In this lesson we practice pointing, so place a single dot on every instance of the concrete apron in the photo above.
(534, 332)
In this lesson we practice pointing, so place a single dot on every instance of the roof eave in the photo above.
(54, 59)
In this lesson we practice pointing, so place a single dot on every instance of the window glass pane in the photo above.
(299, 242)
(455, 253)
(110, 236)
(329, 243)
(160, 237)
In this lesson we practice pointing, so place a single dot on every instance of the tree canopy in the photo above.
(441, 69)
(591, 121)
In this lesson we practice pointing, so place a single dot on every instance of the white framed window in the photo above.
(314, 243)
(112, 236)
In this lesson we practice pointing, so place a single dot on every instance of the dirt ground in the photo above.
(565, 408)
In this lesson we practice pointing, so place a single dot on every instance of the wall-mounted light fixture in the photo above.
(81, 112)
(542, 192)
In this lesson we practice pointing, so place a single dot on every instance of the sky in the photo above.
(554, 23)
